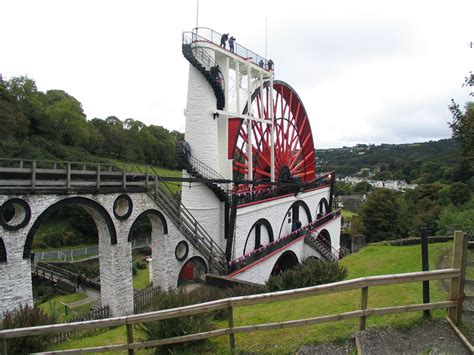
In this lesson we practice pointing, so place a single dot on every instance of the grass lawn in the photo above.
(373, 260)
(55, 306)
(141, 279)
(347, 214)
(174, 186)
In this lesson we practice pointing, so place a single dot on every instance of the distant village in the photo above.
(399, 185)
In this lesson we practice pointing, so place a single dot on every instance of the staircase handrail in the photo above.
(208, 173)
(180, 209)
(265, 249)
(209, 35)
(202, 56)
(322, 240)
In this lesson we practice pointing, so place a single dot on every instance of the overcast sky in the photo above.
(367, 71)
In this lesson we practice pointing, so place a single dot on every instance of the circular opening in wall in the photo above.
(123, 206)
(182, 250)
(14, 214)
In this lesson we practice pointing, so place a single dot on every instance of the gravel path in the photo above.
(429, 337)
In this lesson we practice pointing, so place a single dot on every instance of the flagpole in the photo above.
(266, 26)
(197, 15)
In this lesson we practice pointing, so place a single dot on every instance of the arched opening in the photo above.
(261, 233)
(65, 240)
(297, 216)
(325, 237)
(286, 261)
(193, 270)
(146, 236)
(323, 208)
(3, 252)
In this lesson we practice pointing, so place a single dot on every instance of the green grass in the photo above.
(141, 279)
(347, 214)
(163, 172)
(373, 260)
(55, 306)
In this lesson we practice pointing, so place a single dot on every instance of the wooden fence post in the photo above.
(33, 174)
(146, 177)
(231, 328)
(98, 176)
(456, 292)
(68, 176)
(124, 178)
(364, 298)
(130, 338)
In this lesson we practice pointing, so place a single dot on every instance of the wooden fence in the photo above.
(100, 313)
(142, 298)
(453, 304)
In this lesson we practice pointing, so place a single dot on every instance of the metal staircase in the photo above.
(189, 226)
(207, 175)
(208, 67)
(200, 170)
(321, 247)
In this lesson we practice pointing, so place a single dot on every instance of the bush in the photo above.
(310, 272)
(134, 269)
(26, 316)
(141, 264)
(177, 326)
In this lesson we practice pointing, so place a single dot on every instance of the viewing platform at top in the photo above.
(204, 36)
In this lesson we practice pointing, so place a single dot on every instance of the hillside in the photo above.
(417, 162)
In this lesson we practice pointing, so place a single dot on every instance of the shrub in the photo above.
(310, 272)
(141, 264)
(177, 326)
(134, 268)
(26, 316)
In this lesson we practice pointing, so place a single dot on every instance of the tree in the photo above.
(425, 215)
(463, 122)
(459, 193)
(13, 122)
(462, 128)
(343, 188)
(382, 215)
(29, 99)
(362, 187)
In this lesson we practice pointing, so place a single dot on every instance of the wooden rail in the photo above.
(363, 284)
(34, 175)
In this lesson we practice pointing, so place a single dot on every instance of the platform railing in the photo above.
(208, 173)
(209, 35)
(266, 249)
(32, 175)
(189, 225)
(202, 56)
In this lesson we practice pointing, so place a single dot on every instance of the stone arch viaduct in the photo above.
(115, 199)
(266, 235)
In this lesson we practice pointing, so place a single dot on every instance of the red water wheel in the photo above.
(294, 149)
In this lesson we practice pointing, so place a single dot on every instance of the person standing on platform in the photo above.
(224, 38)
(231, 43)
(270, 64)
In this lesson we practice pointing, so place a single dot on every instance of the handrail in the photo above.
(256, 254)
(204, 58)
(179, 208)
(362, 283)
(208, 173)
(209, 35)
